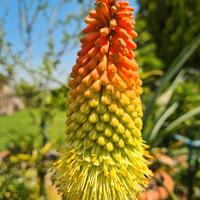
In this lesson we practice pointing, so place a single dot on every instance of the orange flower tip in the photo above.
(126, 24)
(89, 37)
(105, 31)
(135, 75)
(105, 10)
(71, 83)
(131, 44)
(133, 34)
(129, 9)
(122, 3)
(91, 20)
(73, 93)
(104, 48)
(122, 42)
(96, 86)
(80, 70)
(100, 41)
(118, 82)
(82, 60)
(122, 32)
(101, 16)
(128, 73)
(73, 74)
(92, 52)
(113, 10)
(89, 28)
(111, 71)
(113, 24)
(122, 14)
(139, 82)
(88, 93)
(79, 53)
(110, 1)
(103, 64)
(104, 79)
(87, 80)
(95, 74)
(92, 13)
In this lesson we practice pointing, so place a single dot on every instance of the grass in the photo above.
(26, 122)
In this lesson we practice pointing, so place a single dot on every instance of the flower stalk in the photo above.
(104, 157)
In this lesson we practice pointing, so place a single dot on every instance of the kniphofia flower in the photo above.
(104, 157)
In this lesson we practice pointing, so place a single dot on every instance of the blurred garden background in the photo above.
(39, 40)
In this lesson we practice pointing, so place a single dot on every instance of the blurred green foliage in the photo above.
(59, 97)
(24, 167)
(28, 92)
(15, 182)
(168, 26)
(169, 48)
(17, 176)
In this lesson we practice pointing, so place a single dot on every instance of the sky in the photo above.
(9, 8)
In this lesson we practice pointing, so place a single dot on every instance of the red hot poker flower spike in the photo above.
(104, 157)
